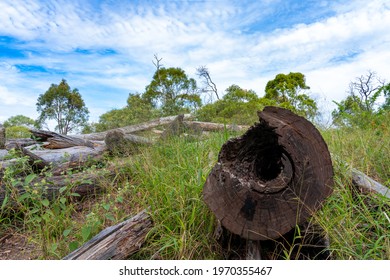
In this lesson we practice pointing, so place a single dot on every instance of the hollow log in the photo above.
(270, 179)
(117, 242)
(132, 128)
(59, 141)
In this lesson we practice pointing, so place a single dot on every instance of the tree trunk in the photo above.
(271, 178)
(123, 144)
(60, 159)
(35, 161)
(176, 127)
(132, 128)
(21, 142)
(74, 155)
(58, 141)
(207, 126)
(367, 184)
(116, 242)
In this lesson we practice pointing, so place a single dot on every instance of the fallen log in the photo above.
(83, 184)
(270, 179)
(366, 184)
(59, 141)
(208, 126)
(117, 242)
(3, 154)
(132, 128)
(59, 160)
(35, 161)
(119, 143)
(21, 142)
(176, 127)
(74, 155)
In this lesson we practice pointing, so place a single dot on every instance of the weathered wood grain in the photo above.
(117, 242)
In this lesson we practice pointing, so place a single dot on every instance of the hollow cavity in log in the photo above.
(271, 178)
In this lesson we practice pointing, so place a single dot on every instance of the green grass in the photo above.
(167, 179)
(358, 224)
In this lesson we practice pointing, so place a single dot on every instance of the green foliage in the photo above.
(385, 90)
(168, 179)
(138, 110)
(113, 119)
(17, 132)
(359, 108)
(19, 120)
(18, 126)
(64, 105)
(357, 224)
(172, 92)
(236, 106)
(287, 91)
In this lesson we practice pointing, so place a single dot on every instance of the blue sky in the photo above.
(105, 48)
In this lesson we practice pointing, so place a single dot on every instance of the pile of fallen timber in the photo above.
(266, 182)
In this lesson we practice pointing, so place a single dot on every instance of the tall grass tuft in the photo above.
(357, 223)
(169, 179)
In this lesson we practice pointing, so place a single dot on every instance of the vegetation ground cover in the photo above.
(168, 178)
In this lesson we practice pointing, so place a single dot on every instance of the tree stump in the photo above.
(270, 179)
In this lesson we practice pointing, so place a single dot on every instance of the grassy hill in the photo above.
(169, 178)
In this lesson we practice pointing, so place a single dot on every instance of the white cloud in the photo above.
(219, 34)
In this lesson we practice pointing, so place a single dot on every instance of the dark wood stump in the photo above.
(270, 179)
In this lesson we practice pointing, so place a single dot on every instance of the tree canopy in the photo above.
(137, 110)
(18, 126)
(237, 105)
(64, 105)
(288, 91)
(19, 120)
(361, 106)
(172, 91)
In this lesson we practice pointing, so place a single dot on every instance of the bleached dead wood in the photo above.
(35, 161)
(208, 126)
(21, 142)
(132, 128)
(117, 242)
(78, 154)
(363, 182)
(60, 159)
(367, 184)
(59, 141)
(119, 143)
(3, 154)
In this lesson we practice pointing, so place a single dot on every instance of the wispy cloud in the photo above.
(105, 48)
